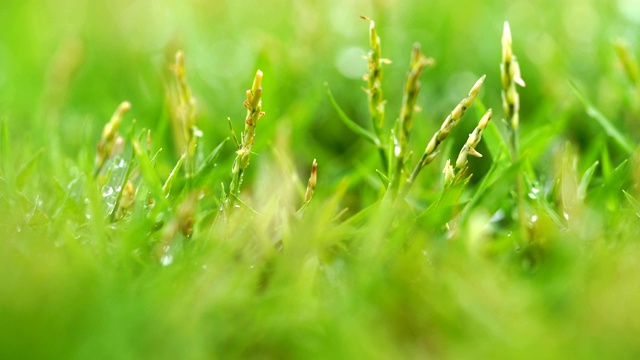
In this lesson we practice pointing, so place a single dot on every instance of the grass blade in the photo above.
(26, 171)
(208, 165)
(586, 180)
(166, 188)
(350, 123)
(148, 173)
(624, 142)
(634, 203)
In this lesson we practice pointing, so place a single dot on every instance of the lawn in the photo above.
(296, 179)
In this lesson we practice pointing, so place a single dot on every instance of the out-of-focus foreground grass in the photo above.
(72, 287)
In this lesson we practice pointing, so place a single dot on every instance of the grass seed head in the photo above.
(311, 185)
(109, 139)
(510, 76)
(469, 147)
(454, 117)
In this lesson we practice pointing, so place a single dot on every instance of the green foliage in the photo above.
(141, 244)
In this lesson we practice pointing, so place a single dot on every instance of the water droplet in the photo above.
(86, 201)
(88, 216)
(120, 163)
(166, 260)
(107, 191)
(498, 216)
(566, 215)
(396, 150)
(534, 218)
(534, 193)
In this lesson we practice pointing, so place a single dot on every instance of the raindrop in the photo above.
(498, 216)
(566, 215)
(166, 260)
(534, 218)
(107, 191)
(120, 163)
(88, 216)
(396, 150)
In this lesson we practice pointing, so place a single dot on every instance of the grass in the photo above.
(152, 235)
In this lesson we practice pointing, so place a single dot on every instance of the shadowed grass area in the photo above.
(231, 212)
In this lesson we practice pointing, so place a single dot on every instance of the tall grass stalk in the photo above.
(253, 104)
(510, 77)
(405, 122)
(185, 116)
(109, 138)
(374, 90)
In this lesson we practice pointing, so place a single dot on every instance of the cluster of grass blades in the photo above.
(119, 262)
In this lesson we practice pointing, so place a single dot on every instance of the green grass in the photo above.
(190, 266)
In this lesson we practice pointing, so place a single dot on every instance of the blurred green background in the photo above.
(66, 64)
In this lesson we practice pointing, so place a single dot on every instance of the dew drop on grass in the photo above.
(534, 193)
(534, 218)
(166, 260)
(107, 191)
(497, 217)
(120, 163)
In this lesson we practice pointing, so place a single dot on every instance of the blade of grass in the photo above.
(148, 173)
(625, 143)
(166, 188)
(586, 180)
(26, 171)
(634, 203)
(359, 130)
(209, 164)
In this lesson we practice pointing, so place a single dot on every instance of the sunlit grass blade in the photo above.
(634, 203)
(168, 184)
(586, 180)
